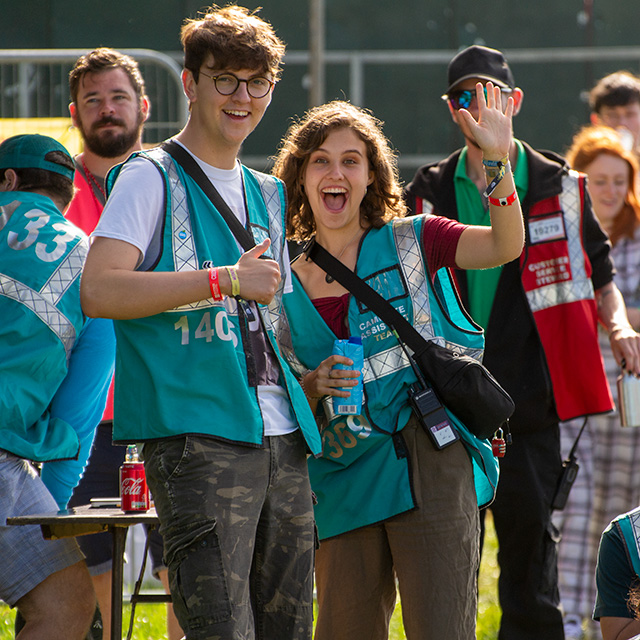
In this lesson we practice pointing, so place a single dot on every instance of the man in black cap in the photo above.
(540, 315)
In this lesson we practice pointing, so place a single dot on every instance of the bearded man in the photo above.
(109, 108)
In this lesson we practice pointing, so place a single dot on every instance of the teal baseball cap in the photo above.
(29, 151)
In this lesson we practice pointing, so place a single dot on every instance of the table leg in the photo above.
(119, 535)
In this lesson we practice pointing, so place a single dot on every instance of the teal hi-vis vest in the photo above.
(41, 259)
(363, 475)
(188, 370)
(629, 524)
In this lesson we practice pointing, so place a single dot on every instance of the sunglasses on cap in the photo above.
(463, 99)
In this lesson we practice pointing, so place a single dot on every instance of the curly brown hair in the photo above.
(383, 200)
(592, 141)
(633, 603)
(237, 39)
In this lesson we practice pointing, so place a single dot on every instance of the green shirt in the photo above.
(614, 575)
(482, 283)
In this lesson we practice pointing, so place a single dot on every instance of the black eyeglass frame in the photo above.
(271, 83)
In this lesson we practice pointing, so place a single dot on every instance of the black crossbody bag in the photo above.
(462, 384)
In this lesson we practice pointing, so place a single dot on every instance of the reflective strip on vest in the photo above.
(424, 206)
(384, 363)
(629, 524)
(184, 253)
(412, 264)
(634, 521)
(580, 286)
(411, 261)
(271, 195)
(65, 274)
(43, 303)
(185, 257)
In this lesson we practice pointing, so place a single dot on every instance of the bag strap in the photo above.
(187, 162)
(367, 295)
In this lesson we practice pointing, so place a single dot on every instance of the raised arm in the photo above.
(485, 247)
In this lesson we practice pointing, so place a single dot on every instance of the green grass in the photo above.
(150, 619)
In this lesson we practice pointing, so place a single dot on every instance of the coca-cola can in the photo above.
(134, 492)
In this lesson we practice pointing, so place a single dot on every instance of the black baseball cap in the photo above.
(480, 62)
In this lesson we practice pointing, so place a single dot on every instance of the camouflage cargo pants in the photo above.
(238, 530)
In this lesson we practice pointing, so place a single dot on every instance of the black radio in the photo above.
(432, 416)
(567, 478)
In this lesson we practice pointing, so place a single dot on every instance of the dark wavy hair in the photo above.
(618, 89)
(593, 141)
(383, 200)
(237, 39)
(105, 59)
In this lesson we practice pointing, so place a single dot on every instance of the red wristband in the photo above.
(504, 202)
(214, 284)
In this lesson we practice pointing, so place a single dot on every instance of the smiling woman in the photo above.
(335, 181)
(609, 480)
(389, 502)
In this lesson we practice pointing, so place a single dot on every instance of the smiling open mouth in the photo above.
(334, 198)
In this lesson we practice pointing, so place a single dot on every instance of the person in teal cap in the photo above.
(51, 354)
(618, 578)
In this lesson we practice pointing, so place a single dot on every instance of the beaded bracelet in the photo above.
(504, 201)
(214, 284)
(235, 280)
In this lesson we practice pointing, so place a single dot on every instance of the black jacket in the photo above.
(513, 351)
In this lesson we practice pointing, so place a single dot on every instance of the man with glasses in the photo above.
(199, 378)
(540, 314)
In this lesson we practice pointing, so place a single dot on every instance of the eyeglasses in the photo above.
(227, 84)
(463, 99)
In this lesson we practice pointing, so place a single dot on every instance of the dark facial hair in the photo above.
(110, 144)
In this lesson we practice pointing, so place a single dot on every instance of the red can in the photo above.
(134, 492)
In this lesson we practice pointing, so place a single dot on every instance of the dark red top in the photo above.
(440, 240)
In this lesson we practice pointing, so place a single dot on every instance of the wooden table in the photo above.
(87, 519)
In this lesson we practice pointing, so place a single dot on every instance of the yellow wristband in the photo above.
(235, 280)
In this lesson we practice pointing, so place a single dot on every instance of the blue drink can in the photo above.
(351, 348)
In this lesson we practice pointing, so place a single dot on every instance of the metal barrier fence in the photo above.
(401, 86)
(559, 78)
(34, 84)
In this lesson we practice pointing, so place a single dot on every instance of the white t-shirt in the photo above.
(134, 213)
